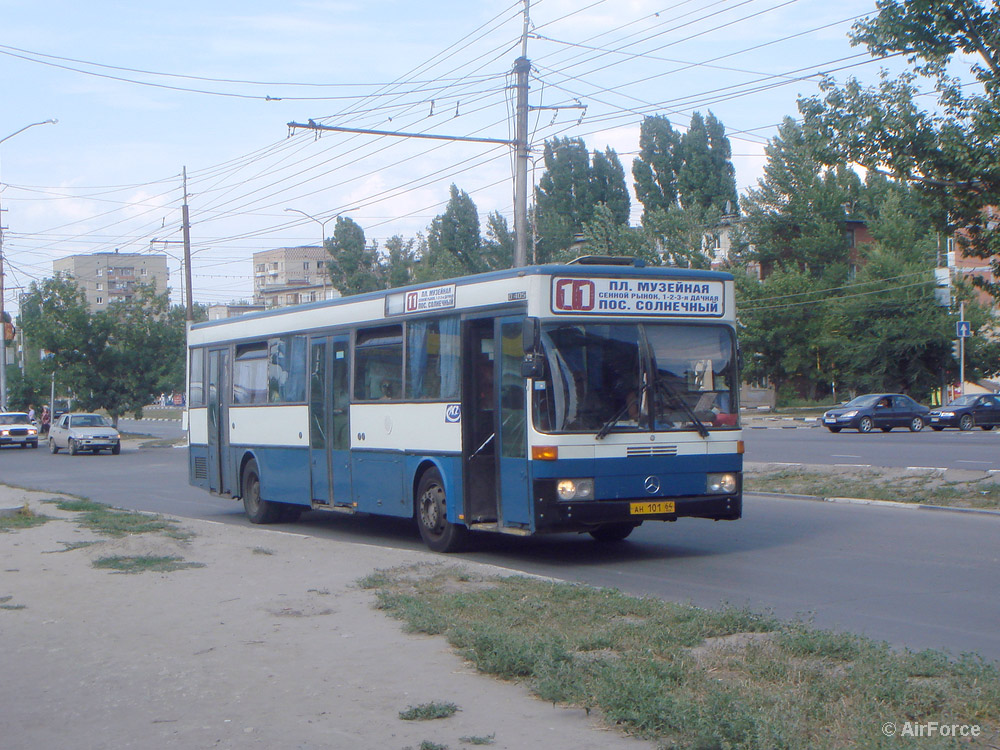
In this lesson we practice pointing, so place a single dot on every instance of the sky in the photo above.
(146, 91)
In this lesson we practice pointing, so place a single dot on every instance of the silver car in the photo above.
(84, 432)
(17, 429)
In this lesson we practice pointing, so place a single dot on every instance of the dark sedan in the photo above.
(881, 410)
(966, 412)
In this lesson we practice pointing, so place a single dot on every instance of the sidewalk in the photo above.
(269, 645)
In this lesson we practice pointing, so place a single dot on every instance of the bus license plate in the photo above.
(645, 509)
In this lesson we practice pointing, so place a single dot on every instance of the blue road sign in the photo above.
(964, 329)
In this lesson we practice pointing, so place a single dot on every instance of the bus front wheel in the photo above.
(612, 532)
(257, 510)
(438, 533)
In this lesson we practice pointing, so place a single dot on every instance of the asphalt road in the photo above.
(948, 449)
(916, 578)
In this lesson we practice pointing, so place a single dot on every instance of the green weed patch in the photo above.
(25, 518)
(688, 677)
(144, 564)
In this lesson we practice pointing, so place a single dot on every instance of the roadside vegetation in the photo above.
(24, 518)
(145, 563)
(108, 521)
(687, 677)
(897, 485)
(113, 523)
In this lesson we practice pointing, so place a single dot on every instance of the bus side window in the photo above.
(379, 363)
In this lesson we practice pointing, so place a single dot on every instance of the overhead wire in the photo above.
(216, 181)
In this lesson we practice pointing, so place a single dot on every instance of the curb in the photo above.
(879, 503)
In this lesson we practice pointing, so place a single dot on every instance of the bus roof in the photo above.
(585, 267)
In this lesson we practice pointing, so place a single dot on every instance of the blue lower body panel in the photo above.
(618, 483)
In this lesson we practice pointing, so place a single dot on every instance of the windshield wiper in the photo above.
(673, 394)
(637, 400)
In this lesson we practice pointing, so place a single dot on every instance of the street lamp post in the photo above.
(3, 337)
(322, 224)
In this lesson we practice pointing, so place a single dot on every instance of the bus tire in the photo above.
(438, 533)
(612, 532)
(257, 510)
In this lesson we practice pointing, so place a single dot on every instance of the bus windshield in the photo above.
(604, 377)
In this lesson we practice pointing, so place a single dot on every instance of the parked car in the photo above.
(966, 412)
(17, 429)
(881, 410)
(62, 406)
(84, 432)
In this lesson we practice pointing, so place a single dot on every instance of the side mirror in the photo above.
(530, 335)
(532, 366)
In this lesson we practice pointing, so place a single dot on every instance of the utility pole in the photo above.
(522, 66)
(189, 316)
(3, 325)
(3, 330)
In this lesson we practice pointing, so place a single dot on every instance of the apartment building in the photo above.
(291, 275)
(110, 277)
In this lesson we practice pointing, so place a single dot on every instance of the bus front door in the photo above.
(494, 430)
(218, 421)
(329, 421)
(512, 424)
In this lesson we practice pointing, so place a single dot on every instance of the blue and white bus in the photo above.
(586, 397)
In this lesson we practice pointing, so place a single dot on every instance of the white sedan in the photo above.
(84, 432)
(17, 429)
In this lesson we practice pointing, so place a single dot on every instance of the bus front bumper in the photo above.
(552, 516)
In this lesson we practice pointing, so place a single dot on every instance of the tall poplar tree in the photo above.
(354, 267)
(655, 169)
(571, 189)
(454, 244)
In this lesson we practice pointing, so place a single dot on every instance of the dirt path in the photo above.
(269, 644)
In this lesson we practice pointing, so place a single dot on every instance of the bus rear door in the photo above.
(219, 479)
(329, 421)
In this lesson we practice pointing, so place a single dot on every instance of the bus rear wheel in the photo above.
(257, 510)
(438, 533)
(612, 532)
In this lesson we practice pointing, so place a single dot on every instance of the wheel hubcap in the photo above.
(432, 509)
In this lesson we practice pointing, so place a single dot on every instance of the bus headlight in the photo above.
(721, 484)
(575, 489)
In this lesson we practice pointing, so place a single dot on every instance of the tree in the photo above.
(655, 169)
(453, 241)
(116, 359)
(677, 237)
(569, 192)
(706, 178)
(782, 332)
(399, 261)
(354, 266)
(951, 154)
(889, 331)
(605, 235)
(498, 245)
(796, 215)
(608, 185)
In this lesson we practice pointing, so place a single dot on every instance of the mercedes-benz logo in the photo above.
(652, 485)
